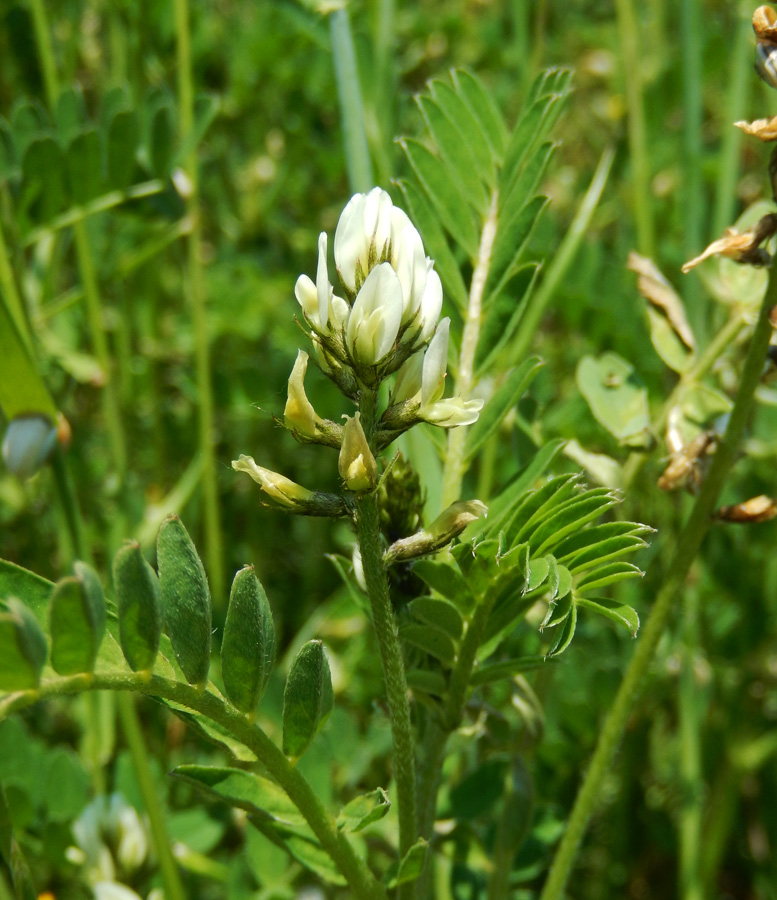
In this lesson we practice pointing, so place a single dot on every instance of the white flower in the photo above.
(374, 321)
(362, 235)
(356, 464)
(316, 299)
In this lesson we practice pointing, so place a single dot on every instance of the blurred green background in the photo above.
(661, 83)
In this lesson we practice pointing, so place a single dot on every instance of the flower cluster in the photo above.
(384, 322)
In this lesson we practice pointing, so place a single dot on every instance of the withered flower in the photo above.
(742, 247)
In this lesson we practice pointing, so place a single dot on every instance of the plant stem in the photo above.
(214, 553)
(99, 341)
(562, 259)
(455, 457)
(368, 534)
(362, 882)
(632, 76)
(357, 154)
(10, 292)
(687, 548)
(171, 878)
(45, 51)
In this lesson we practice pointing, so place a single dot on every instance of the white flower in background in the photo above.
(421, 380)
(283, 490)
(356, 464)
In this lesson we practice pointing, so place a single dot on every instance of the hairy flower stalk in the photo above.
(383, 322)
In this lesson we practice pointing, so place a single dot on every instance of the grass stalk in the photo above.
(638, 152)
(45, 51)
(357, 154)
(10, 292)
(562, 259)
(214, 552)
(130, 723)
(670, 595)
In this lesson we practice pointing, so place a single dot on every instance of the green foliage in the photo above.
(22, 647)
(76, 622)
(248, 645)
(308, 699)
(185, 599)
(139, 601)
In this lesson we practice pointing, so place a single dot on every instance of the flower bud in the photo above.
(299, 413)
(375, 317)
(29, 441)
(357, 465)
(283, 490)
(448, 525)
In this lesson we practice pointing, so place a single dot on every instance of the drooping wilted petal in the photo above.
(283, 490)
(299, 413)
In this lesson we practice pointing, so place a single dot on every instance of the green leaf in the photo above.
(468, 125)
(427, 681)
(248, 646)
(8, 159)
(596, 534)
(364, 810)
(667, 343)
(22, 647)
(482, 104)
(123, 138)
(455, 152)
(451, 206)
(539, 569)
(478, 562)
(565, 633)
(139, 600)
(558, 610)
(525, 186)
(440, 613)
(425, 219)
(510, 245)
(257, 795)
(503, 315)
(604, 551)
(535, 506)
(409, 867)
(611, 573)
(160, 137)
(69, 113)
(6, 829)
(501, 403)
(571, 516)
(617, 397)
(84, 166)
(447, 580)
(307, 852)
(77, 622)
(614, 611)
(185, 599)
(507, 669)
(431, 640)
(308, 698)
(29, 120)
(503, 506)
(206, 108)
(43, 179)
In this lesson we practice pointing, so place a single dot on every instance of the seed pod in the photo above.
(308, 698)
(140, 607)
(185, 599)
(76, 621)
(248, 646)
(22, 647)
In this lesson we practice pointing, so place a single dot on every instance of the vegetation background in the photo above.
(206, 269)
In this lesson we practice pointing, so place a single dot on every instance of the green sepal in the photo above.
(185, 599)
(22, 647)
(409, 867)
(139, 601)
(76, 622)
(308, 698)
(248, 646)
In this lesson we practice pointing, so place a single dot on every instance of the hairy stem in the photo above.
(670, 595)
(362, 882)
(453, 473)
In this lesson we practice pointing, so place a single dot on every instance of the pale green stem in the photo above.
(360, 880)
(455, 457)
(214, 554)
(670, 595)
(692, 779)
(171, 878)
(357, 154)
(738, 89)
(562, 259)
(110, 397)
(640, 167)
(45, 51)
